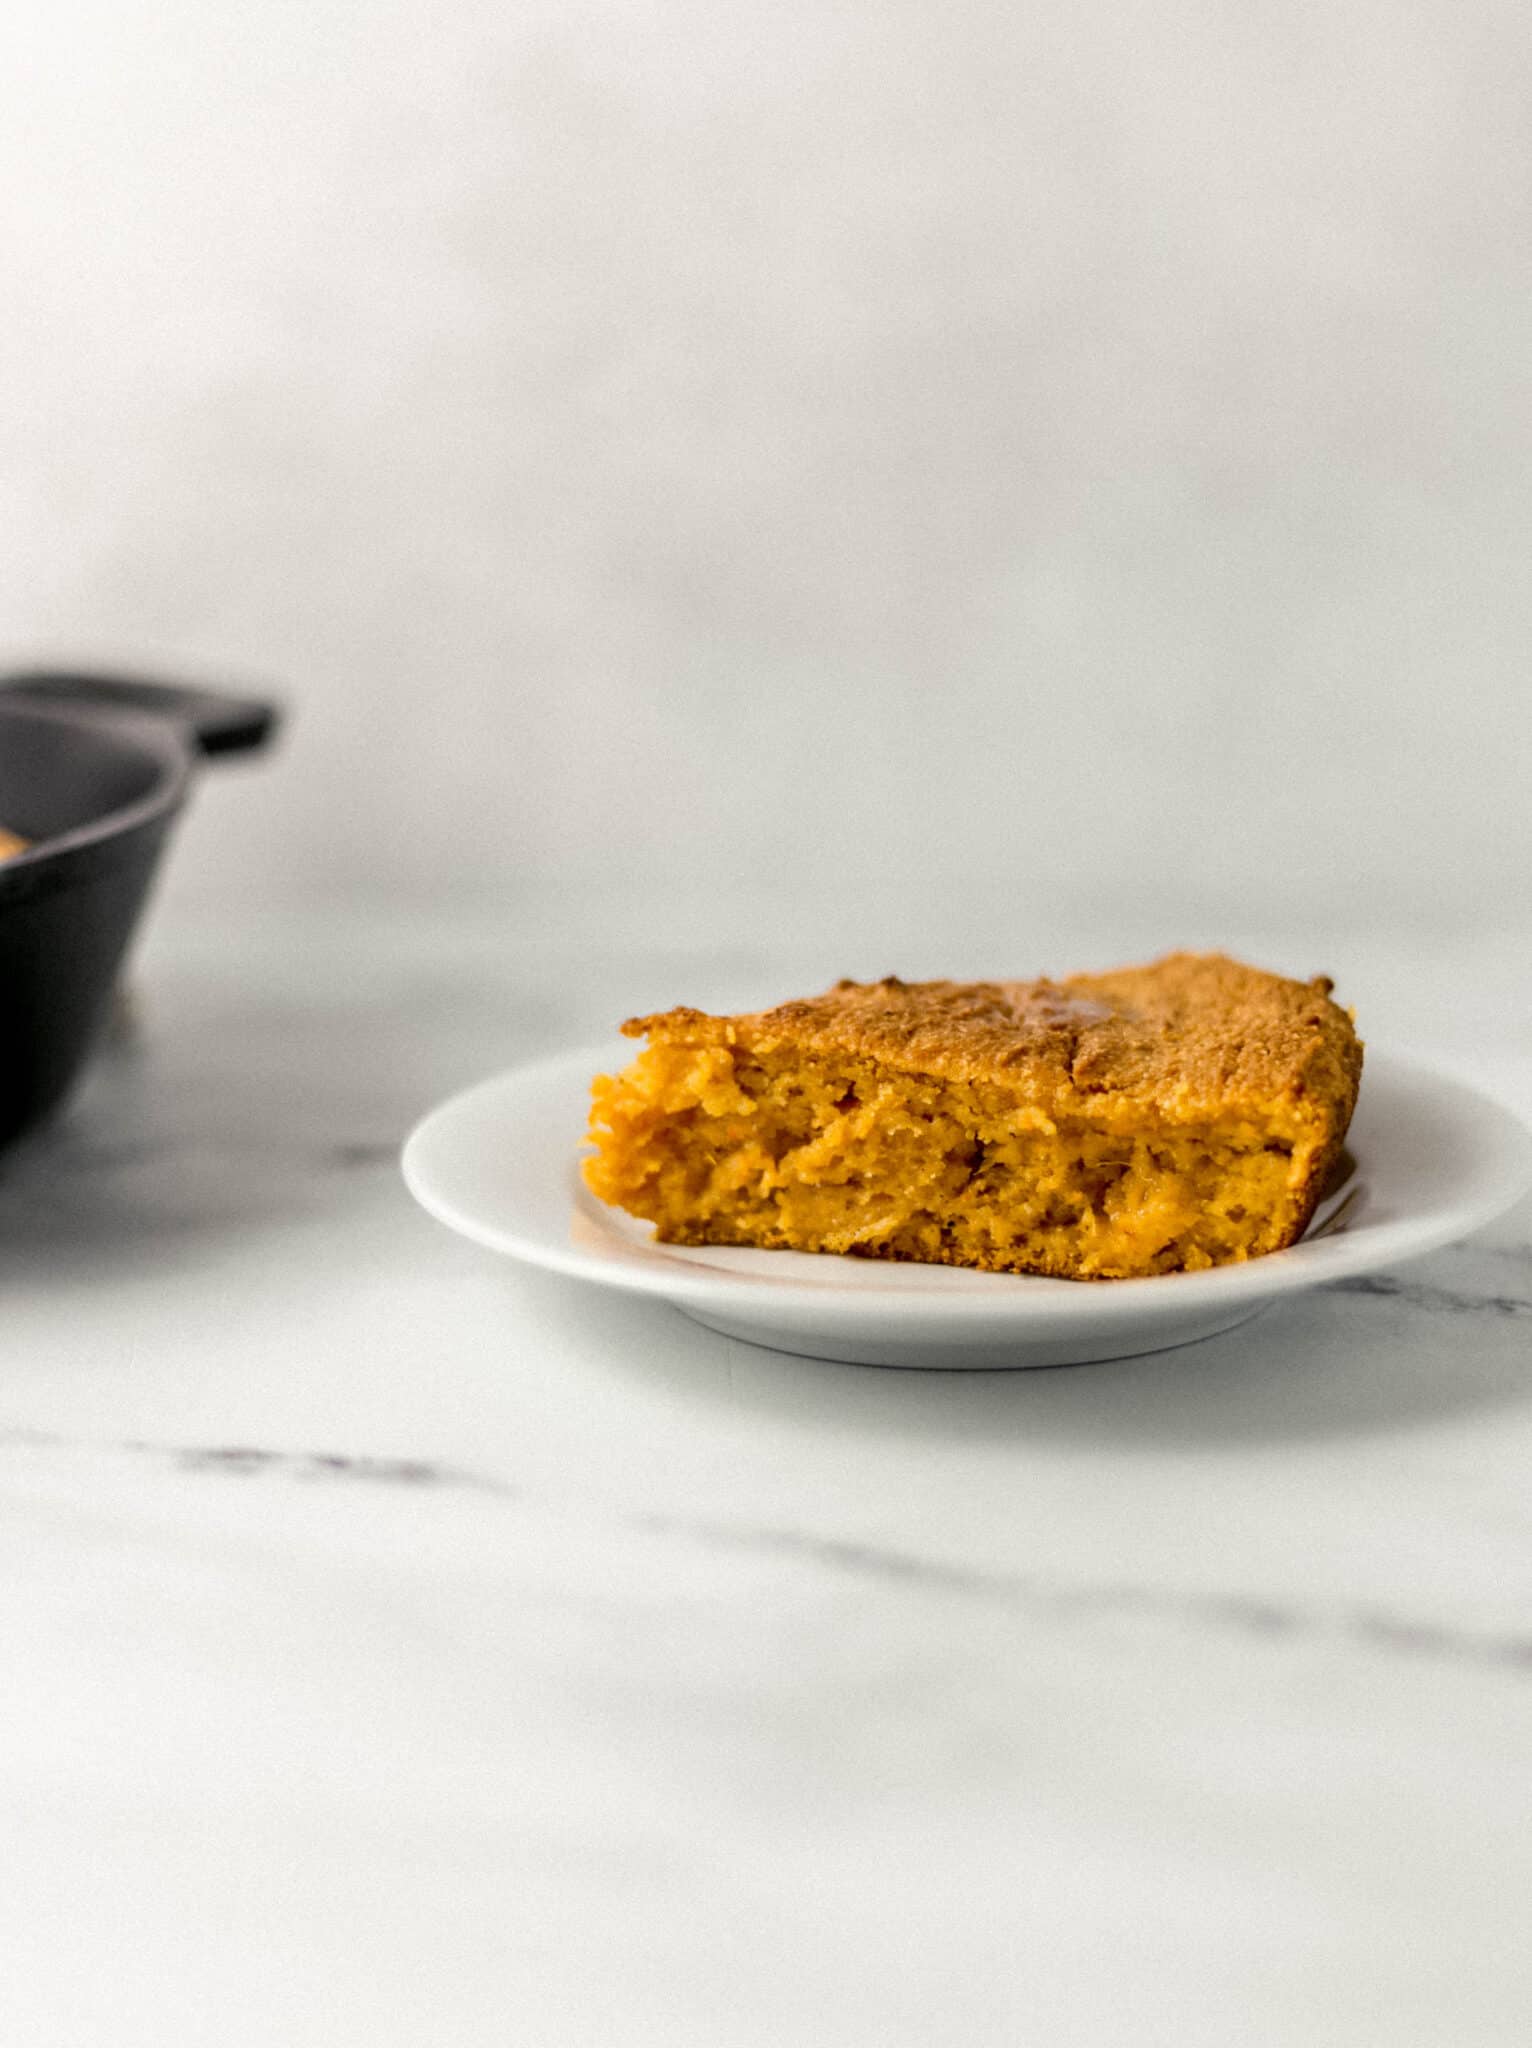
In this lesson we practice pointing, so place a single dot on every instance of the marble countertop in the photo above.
(405, 1648)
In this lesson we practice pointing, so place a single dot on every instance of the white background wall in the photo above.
(1073, 444)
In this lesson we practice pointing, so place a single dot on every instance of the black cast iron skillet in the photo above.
(93, 770)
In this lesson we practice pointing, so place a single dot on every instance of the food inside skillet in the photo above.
(11, 842)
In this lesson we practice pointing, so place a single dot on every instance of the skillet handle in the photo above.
(218, 722)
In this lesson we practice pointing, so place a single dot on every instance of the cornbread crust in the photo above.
(1140, 1102)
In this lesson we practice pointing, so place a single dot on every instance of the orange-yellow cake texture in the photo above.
(1155, 1119)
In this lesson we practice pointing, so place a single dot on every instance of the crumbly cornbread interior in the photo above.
(944, 1123)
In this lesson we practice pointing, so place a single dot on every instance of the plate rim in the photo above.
(646, 1268)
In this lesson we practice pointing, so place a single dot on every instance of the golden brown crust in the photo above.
(1187, 1034)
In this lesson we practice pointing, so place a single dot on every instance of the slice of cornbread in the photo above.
(1153, 1120)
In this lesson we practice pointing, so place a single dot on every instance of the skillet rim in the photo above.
(51, 860)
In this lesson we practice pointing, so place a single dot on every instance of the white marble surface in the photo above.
(402, 1648)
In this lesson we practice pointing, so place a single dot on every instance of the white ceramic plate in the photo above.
(1434, 1161)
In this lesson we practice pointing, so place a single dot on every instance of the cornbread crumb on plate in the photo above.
(1152, 1120)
